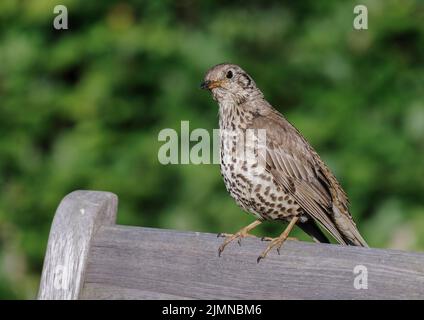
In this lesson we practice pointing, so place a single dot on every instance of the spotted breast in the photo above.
(253, 188)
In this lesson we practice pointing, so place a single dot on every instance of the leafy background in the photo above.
(82, 108)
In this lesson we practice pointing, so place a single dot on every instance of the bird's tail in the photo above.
(347, 228)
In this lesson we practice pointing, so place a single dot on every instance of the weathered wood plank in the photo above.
(89, 257)
(78, 217)
(136, 263)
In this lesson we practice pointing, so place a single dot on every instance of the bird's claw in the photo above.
(231, 237)
(220, 249)
(266, 239)
(275, 242)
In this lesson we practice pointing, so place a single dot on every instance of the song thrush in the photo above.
(286, 180)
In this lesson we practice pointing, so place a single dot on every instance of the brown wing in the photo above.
(299, 170)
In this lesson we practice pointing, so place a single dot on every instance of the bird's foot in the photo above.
(230, 237)
(278, 242)
(270, 238)
(275, 243)
(239, 235)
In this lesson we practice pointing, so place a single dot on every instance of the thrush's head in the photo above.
(230, 82)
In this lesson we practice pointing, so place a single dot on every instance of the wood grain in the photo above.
(78, 217)
(143, 263)
(89, 257)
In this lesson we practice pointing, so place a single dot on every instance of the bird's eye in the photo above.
(229, 74)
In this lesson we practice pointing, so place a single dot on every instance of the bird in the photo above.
(283, 178)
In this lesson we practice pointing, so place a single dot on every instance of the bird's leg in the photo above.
(278, 242)
(241, 234)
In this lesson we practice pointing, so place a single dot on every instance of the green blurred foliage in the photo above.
(82, 108)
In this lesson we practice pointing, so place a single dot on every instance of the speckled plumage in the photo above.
(284, 179)
(253, 188)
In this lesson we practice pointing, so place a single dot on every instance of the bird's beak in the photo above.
(210, 84)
